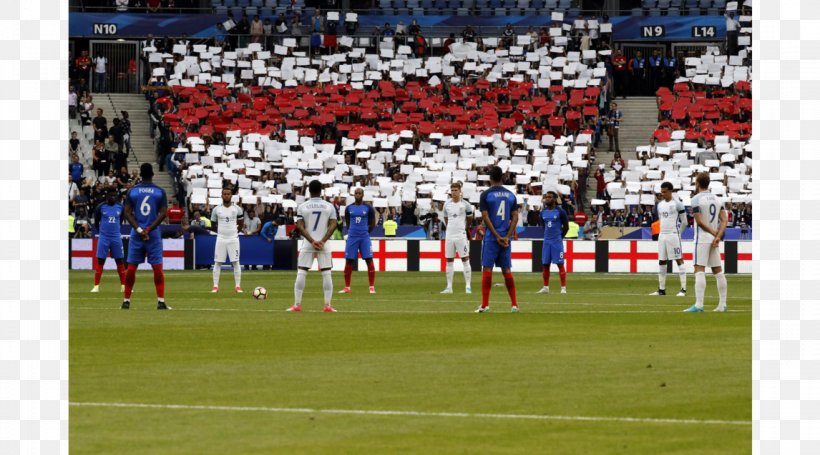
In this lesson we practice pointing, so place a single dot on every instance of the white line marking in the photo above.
(413, 413)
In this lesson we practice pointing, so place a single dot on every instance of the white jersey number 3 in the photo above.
(145, 208)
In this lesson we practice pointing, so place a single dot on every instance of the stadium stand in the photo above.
(403, 118)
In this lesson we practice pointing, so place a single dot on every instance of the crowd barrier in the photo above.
(623, 256)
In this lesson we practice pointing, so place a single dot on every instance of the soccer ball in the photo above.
(260, 293)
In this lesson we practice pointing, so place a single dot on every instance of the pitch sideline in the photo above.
(412, 413)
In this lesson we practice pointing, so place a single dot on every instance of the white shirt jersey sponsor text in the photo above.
(672, 220)
(456, 214)
(226, 218)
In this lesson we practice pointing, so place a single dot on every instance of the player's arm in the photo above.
(331, 228)
(371, 219)
(564, 224)
(240, 221)
(724, 220)
(347, 216)
(300, 228)
(128, 213)
(699, 220)
(162, 213)
(485, 217)
(682, 219)
(513, 221)
(98, 216)
(214, 220)
(469, 223)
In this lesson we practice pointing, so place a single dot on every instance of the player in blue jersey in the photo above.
(499, 210)
(108, 217)
(556, 225)
(360, 219)
(145, 208)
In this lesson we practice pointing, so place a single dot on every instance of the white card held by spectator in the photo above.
(557, 16)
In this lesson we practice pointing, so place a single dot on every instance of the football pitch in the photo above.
(604, 369)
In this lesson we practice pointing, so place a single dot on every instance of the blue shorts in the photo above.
(552, 252)
(492, 254)
(138, 249)
(109, 244)
(355, 245)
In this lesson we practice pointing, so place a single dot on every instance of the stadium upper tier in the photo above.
(268, 8)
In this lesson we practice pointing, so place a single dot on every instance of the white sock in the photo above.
(662, 277)
(327, 286)
(237, 273)
(468, 273)
(450, 268)
(217, 271)
(721, 285)
(700, 288)
(299, 286)
(682, 273)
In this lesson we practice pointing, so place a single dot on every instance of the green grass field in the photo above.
(604, 369)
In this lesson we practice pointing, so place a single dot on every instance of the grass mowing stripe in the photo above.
(415, 413)
(252, 310)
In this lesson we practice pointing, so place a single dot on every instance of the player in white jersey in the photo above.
(227, 220)
(458, 217)
(711, 222)
(315, 221)
(672, 216)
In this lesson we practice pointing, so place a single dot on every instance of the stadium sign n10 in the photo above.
(105, 29)
(653, 31)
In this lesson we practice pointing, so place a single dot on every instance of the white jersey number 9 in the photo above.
(145, 208)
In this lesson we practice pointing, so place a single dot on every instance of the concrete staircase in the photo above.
(144, 149)
(640, 121)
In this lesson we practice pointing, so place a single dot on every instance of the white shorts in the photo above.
(669, 247)
(707, 256)
(453, 246)
(226, 249)
(306, 259)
